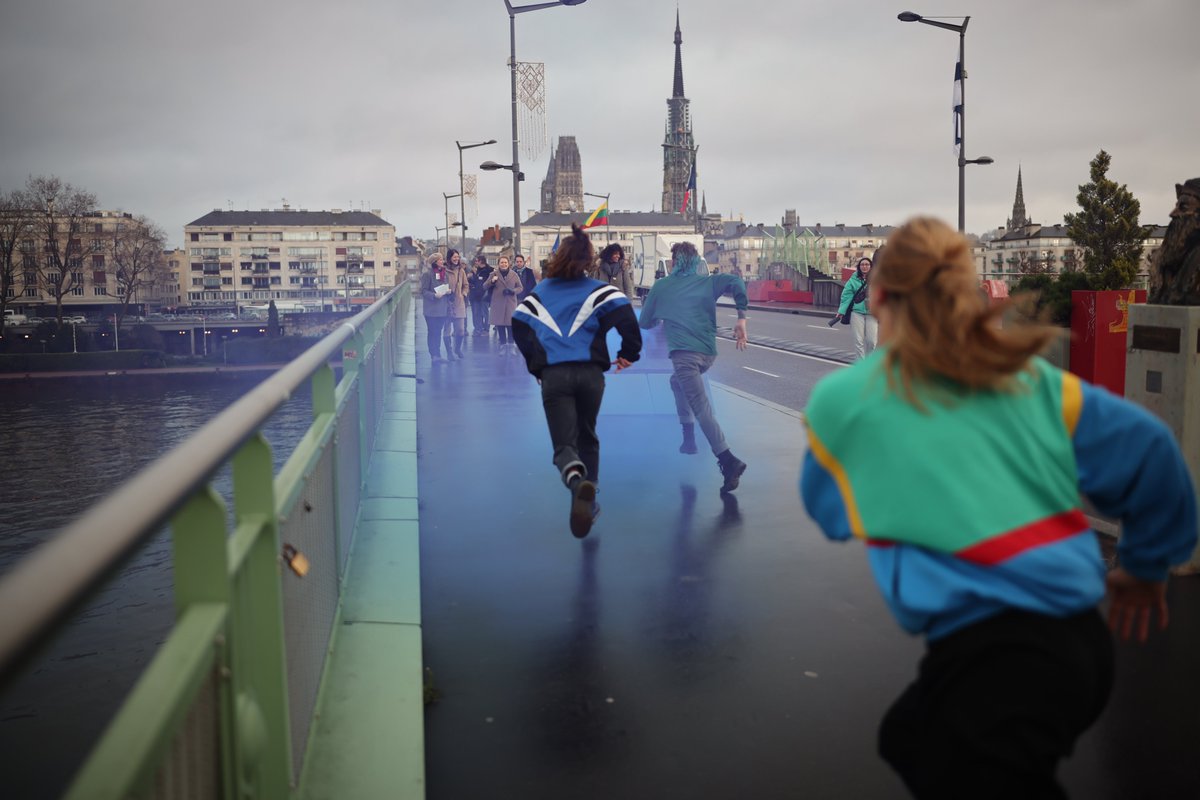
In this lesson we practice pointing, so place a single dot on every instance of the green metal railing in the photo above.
(224, 708)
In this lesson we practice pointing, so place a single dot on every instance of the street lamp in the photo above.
(608, 224)
(512, 68)
(462, 199)
(908, 16)
(446, 203)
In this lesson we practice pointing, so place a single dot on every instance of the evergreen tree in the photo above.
(1107, 228)
(272, 321)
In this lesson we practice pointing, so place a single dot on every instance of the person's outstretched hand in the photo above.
(1132, 602)
(621, 364)
(739, 334)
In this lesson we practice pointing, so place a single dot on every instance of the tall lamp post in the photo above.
(512, 67)
(462, 195)
(446, 203)
(908, 16)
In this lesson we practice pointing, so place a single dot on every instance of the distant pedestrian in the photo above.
(960, 457)
(456, 278)
(528, 278)
(480, 296)
(687, 305)
(505, 286)
(435, 304)
(855, 305)
(613, 270)
(561, 329)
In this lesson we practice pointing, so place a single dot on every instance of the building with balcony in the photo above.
(539, 232)
(321, 260)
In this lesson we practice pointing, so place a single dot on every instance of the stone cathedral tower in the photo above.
(679, 148)
(1019, 220)
(562, 191)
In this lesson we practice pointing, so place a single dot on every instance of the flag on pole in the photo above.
(598, 217)
(958, 107)
(557, 242)
(691, 187)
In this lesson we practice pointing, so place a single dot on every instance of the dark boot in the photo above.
(731, 468)
(458, 345)
(584, 508)
(449, 350)
(689, 438)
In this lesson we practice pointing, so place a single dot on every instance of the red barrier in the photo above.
(788, 296)
(1099, 321)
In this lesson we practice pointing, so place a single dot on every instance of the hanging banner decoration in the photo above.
(531, 108)
(471, 197)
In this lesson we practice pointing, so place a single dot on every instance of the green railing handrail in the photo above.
(61, 573)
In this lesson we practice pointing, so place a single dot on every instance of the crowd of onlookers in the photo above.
(483, 297)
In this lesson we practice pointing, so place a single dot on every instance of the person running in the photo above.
(435, 305)
(686, 303)
(855, 306)
(960, 457)
(561, 330)
(505, 286)
(613, 270)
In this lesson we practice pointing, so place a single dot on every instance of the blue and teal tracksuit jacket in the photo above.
(972, 506)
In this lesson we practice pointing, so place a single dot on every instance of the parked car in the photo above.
(77, 319)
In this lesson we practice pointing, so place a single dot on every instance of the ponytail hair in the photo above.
(573, 258)
(942, 326)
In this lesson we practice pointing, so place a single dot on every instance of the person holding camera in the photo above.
(506, 286)
(854, 308)
(560, 328)
(613, 270)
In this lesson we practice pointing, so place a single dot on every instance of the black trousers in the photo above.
(434, 335)
(997, 705)
(480, 309)
(571, 395)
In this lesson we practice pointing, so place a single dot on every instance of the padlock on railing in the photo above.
(296, 560)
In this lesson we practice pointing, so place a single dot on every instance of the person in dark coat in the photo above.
(528, 278)
(480, 296)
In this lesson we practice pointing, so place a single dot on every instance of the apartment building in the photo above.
(539, 232)
(1037, 248)
(322, 260)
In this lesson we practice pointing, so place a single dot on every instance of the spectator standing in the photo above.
(856, 303)
(528, 278)
(613, 270)
(686, 303)
(561, 329)
(456, 314)
(505, 286)
(480, 296)
(960, 458)
(435, 304)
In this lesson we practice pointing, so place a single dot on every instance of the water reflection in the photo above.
(66, 444)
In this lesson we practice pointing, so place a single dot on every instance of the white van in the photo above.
(13, 318)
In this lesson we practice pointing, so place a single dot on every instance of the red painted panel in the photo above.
(1099, 321)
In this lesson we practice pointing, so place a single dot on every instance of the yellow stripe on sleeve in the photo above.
(1072, 401)
(834, 468)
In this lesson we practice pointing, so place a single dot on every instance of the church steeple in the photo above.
(679, 148)
(678, 89)
(1019, 220)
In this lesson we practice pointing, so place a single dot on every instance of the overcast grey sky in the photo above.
(835, 109)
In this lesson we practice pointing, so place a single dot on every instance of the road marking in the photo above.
(822, 327)
(788, 352)
(760, 372)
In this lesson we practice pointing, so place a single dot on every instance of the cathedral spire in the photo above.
(1019, 219)
(678, 90)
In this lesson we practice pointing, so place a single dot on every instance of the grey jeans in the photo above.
(691, 400)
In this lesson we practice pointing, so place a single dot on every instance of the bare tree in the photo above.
(58, 213)
(135, 248)
(14, 229)
(1030, 263)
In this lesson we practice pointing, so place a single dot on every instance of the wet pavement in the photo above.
(693, 645)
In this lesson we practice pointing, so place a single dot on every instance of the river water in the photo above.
(64, 443)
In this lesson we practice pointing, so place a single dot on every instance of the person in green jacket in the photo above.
(686, 304)
(856, 304)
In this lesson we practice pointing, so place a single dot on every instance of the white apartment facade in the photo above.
(321, 260)
(539, 232)
(1047, 248)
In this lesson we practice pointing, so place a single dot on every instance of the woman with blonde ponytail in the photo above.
(960, 457)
